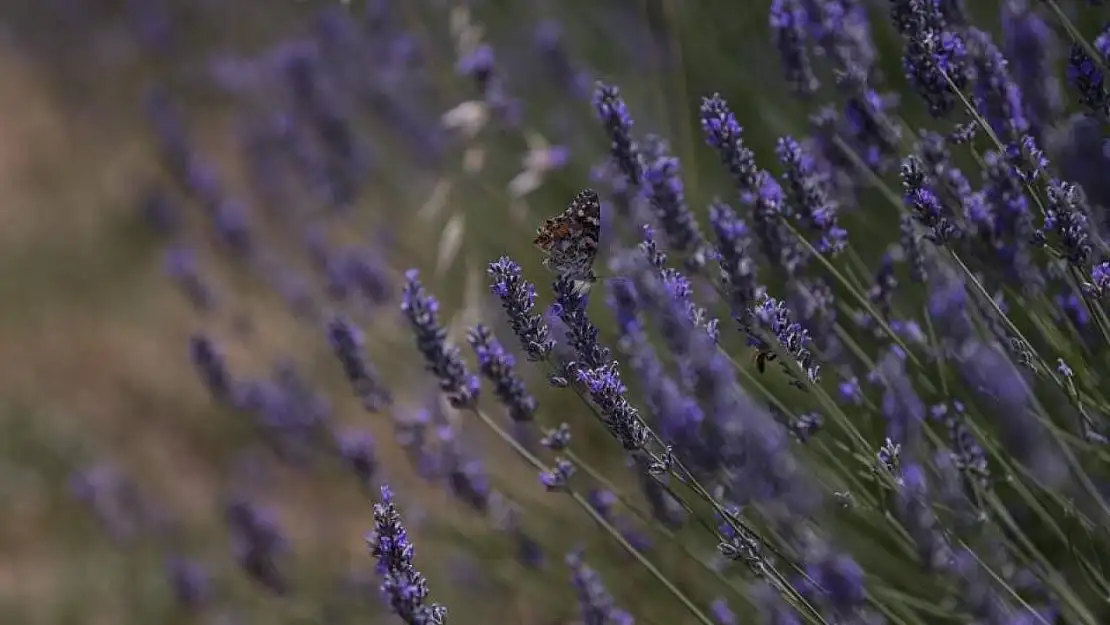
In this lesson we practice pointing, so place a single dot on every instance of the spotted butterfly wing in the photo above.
(571, 239)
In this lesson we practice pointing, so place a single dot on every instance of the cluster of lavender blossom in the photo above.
(829, 435)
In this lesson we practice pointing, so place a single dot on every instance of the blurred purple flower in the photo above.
(257, 544)
(596, 605)
(189, 581)
(347, 342)
(356, 448)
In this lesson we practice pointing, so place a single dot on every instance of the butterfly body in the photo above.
(571, 240)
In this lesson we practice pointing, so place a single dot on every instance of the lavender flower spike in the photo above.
(210, 365)
(441, 359)
(346, 340)
(663, 179)
(518, 298)
(403, 587)
(754, 185)
(499, 367)
(788, 25)
(620, 417)
(596, 604)
(613, 113)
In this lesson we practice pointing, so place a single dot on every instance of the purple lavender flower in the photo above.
(518, 298)
(596, 606)
(347, 343)
(721, 613)
(843, 33)
(1086, 77)
(933, 54)
(478, 65)
(989, 371)
(114, 499)
(947, 304)
(737, 436)
(776, 317)
(559, 476)
(915, 511)
(755, 186)
(869, 127)
(620, 417)
(189, 581)
(668, 200)
(676, 417)
(815, 304)
(499, 368)
(840, 581)
(211, 367)
(581, 333)
(290, 283)
(181, 267)
(678, 285)
(466, 476)
(403, 587)
(738, 270)
(788, 23)
(257, 543)
(356, 448)
(999, 99)
(557, 439)
(1012, 229)
(289, 413)
(809, 201)
(603, 501)
(343, 159)
(903, 409)
(529, 552)
(413, 434)
(443, 361)
(967, 455)
(613, 113)
(851, 391)
(805, 426)
(550, 42)
(232, 227)
(358, 271)
(936, 161)
(1100, 279)
(1033, 51)
(1066, 216)
(926, 206)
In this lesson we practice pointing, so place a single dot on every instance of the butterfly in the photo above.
(571, 240)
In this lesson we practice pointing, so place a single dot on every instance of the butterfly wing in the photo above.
(585, 212)
(553, 230)
(571, 239)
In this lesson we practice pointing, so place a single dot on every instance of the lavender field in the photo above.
(307, 315)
